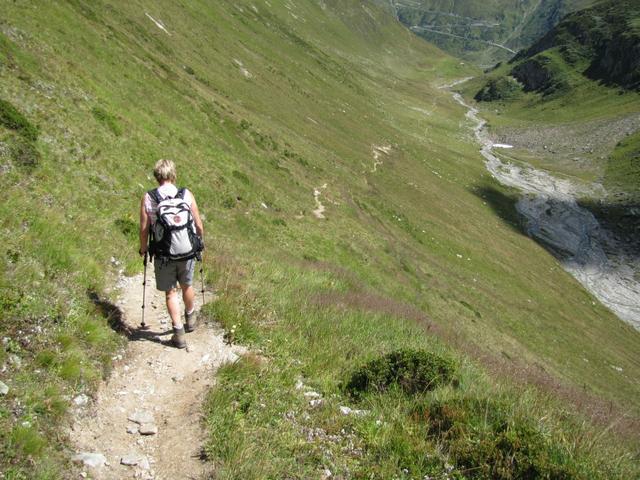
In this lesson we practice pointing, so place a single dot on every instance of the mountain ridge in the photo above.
(483, 32)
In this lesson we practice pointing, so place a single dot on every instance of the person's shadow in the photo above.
(115, 318)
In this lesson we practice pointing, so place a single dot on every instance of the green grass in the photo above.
(623, 168)
(428, 238)
(262, 426)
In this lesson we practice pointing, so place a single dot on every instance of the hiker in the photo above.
(171, 231)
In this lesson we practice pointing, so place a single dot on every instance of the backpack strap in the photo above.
(181, 193)
(155, 195)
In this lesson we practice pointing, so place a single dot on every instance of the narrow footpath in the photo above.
(146, 419)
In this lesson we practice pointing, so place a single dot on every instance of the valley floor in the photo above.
(597, 258)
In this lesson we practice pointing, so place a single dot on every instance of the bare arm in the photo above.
(196, 217)
(144, 228)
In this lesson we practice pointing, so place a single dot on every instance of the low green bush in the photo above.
(12, 119)
(241, 176)
(128, 227)
(502, 88)
(487, 438)
(413, 371)
(108, 120)
(24, 152)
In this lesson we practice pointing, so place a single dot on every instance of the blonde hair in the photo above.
(165, 170)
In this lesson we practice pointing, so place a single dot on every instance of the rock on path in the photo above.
(144, 422)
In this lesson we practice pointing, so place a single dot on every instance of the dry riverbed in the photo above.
(602, 261)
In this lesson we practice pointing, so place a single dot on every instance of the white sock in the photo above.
(177, 326)
(190, 312)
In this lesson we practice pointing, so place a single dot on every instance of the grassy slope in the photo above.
(111, 93)
(622, 172)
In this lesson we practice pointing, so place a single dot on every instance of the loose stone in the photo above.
(132, 459)
(94, 460)
(81, 400)
(148, 429)
(141, 417)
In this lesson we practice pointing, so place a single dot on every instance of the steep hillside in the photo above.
(483, 32)
(602, 42)
(584, 70)
(348, 216)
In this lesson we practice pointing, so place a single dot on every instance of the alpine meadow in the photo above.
(396, 320)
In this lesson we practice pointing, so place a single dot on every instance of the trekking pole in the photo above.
(202, 276)
(144, 290)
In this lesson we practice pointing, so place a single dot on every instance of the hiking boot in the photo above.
(190, 321)
(178, 339)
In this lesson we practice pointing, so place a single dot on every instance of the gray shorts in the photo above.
(171, 272)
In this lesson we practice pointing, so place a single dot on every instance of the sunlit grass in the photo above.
(427, 239)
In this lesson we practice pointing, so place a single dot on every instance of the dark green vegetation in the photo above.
(602, 42)
(502, 88)
(483, 31)
(489, 438)
(12, 119)
(18, 135)
(261, 104)
(622, 172)
(413, 371)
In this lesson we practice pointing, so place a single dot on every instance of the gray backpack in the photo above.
(173, 235)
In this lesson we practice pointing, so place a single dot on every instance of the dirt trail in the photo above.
(586, 250)
(157, 381)
(320, 208)
(378, 151)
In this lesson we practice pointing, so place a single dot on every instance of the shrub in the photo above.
(12, 119)
(26, 441)
(502, 88)
(485, 438)
(413, 371)
(241, 176)
(108, 120)
(128, 227)
(24, 153)
(229, 202)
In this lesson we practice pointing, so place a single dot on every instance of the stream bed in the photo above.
(552, 216)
